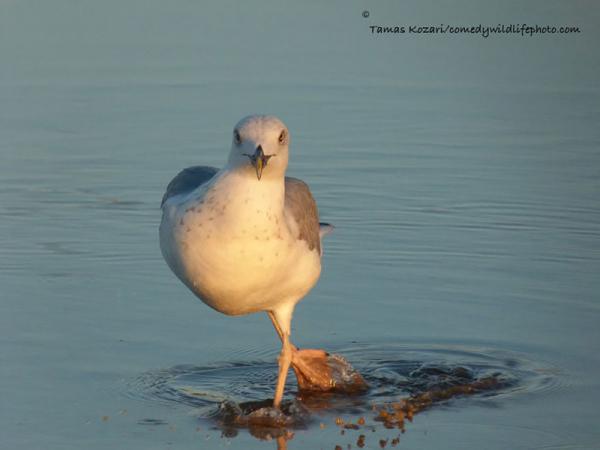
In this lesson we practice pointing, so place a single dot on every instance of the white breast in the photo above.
(229, 242)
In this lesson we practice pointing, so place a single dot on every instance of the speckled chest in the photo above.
(232, 244)
(226, 224)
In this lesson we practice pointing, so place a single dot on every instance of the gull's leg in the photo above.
(282, 319)
(279, 332)
(285, 359)
(316, 370)
(275, 324)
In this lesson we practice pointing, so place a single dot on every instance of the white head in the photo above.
(260, 147)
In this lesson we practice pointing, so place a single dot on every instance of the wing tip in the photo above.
(325, 228)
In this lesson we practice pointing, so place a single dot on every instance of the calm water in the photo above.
(463, 176)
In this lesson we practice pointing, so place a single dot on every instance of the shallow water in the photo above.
(223, 395)
(462, 176)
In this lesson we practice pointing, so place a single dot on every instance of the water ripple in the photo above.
(392, 372)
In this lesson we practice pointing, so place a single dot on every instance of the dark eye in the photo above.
(236, 137)
(283, 137)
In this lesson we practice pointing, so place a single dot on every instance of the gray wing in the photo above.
(187, 180)
(300, 203)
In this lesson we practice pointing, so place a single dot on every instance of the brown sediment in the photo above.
(394, 414)
(360, 442)
(322, 377)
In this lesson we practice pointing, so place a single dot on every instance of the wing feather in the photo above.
(187, 180)
(300, 203)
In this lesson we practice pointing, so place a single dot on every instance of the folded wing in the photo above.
(187, 180)
(301, 205)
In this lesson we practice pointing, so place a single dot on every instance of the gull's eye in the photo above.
(283, 137)
(236, 137)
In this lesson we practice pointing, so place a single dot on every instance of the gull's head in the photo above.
(259, 147)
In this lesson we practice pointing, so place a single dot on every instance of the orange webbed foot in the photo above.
(320, 371)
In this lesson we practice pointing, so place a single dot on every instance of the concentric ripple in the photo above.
(393, 372)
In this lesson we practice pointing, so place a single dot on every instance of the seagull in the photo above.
(246, 238)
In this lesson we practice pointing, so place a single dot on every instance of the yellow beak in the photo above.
(259, 160)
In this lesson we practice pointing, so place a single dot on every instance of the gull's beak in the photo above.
(259, 160)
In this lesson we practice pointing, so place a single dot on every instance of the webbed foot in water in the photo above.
(319, 371)
(316, 372)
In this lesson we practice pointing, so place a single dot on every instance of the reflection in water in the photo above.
(402, 382)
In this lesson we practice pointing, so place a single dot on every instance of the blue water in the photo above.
(462, 175)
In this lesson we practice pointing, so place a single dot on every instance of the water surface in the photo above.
(462, 176)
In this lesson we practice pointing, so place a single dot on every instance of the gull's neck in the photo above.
(244, 189)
